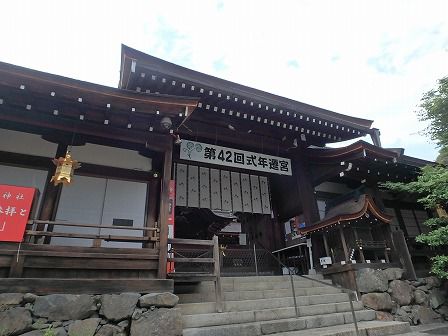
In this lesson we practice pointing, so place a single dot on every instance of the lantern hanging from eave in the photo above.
(65, 167)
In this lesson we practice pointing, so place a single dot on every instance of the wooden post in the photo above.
(386, 255)
(405, 257)
(307, 198)
(217, 272)
(163, 213)
(344, 243)
(361, 252)
(50, 197)
(306, 190)
(151, 213)
(327, 250)
(16, 267)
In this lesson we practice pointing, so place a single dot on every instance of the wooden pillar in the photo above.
(344, 243)
(50, 197)
(163, 213)
(405, 256)
(361, 252)
(307, 198)
(327, 250)
(306, 191)
(386, 255)
(217, 273)
(151, 213)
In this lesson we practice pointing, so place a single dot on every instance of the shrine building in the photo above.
(130, 180)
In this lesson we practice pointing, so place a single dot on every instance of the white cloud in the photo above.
(363, 58)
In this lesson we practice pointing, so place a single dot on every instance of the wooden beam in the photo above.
(225, 135)
(181, 241)
(151, 140)
(163, 213)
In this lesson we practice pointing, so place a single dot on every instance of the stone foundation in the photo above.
(417, 302)
(126, 314)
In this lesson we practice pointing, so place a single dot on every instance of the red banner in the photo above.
(15, 208)
(171, 202)
(171, 215)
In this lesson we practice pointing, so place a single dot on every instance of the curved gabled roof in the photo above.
(348, 211)
(352, 151)
(245, 92)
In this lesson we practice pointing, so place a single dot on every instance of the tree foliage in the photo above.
(442, 158)
(434, 109)
(431, 187)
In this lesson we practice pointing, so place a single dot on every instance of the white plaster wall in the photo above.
(112, 157)
(26, 143)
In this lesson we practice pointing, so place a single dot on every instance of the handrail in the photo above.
(63, 223)
(348, 291)
(215, 261)
(182, 241)
(371, 243)
(96, 237)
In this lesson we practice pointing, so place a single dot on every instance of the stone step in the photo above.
(281, 325)
(271, 278)
(206, 287)
(367, 328)
(209, 296)
(214, 319)
(246, 305)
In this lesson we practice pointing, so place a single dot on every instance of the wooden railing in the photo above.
(149, 234)
(372, 245)
(178, 254)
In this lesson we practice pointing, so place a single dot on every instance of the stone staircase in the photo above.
(264, 305)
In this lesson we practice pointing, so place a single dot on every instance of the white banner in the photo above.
(230, 157)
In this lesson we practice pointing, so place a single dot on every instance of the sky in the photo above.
(370, 59)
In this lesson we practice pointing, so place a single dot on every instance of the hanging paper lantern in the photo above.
(65, 167)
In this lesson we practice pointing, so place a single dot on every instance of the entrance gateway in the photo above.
(248, 166)
(225, 191)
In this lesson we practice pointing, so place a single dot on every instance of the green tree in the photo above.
(442, 158)
(434, 109)
(431, 186)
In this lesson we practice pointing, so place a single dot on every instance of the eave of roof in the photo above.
(343, 153)
(55, 81)
(211, 82)
(368, 205)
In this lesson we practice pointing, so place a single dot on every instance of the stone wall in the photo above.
(126, 314)
(394, 298)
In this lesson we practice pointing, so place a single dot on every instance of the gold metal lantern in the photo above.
(65, 167)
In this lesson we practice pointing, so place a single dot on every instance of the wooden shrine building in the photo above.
(174, 156)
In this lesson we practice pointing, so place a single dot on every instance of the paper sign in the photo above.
(15, 207)
(230, 157)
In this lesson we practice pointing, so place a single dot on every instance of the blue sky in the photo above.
(372, 59)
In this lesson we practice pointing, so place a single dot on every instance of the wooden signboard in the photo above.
(15, 208)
